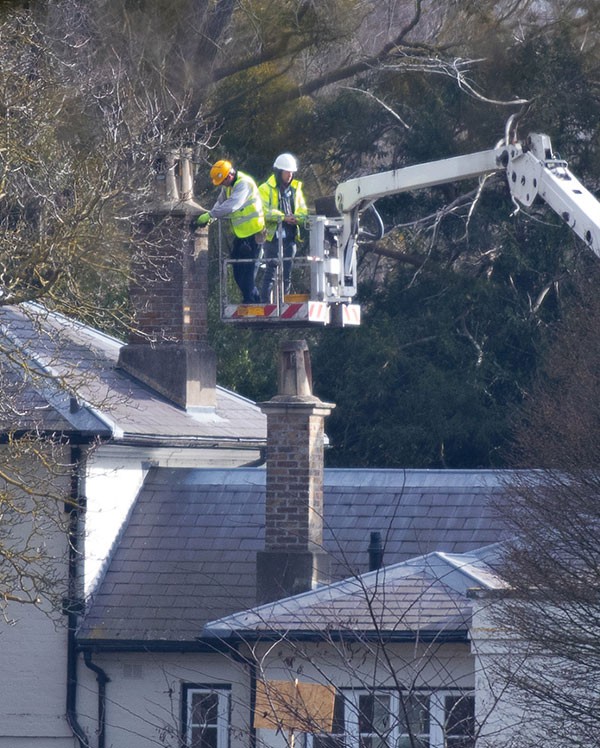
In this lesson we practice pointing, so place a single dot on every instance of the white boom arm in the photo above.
(531, 170)
(354, 192)
(535, 172)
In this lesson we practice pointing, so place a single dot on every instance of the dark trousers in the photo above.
(271, 254)
(247, 252)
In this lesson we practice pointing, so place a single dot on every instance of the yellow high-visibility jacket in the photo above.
(241, 203)
(269, 194)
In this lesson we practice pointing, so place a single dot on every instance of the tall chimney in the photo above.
(167, 348)
(293, 560)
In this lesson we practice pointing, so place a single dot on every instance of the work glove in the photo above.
(203, 219)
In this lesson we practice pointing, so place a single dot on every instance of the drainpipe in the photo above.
(252, 667)
(73, 605)
(102, 679)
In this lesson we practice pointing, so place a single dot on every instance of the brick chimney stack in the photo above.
(167, 348)
(293, 560)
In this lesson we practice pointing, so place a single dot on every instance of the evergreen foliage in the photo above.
(459, 297)
(454, 330)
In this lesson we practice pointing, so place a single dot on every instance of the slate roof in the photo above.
(408, 601)
(33, 401)
(424, 598)
(77, 359)
(188, 552)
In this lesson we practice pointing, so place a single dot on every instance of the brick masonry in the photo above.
(167, 347)
(293, 560)
(294, 516)
(169, 286)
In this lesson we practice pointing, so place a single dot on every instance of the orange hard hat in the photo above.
(220, 171)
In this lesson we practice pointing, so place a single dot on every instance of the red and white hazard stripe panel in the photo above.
(250, 311)
(313, 311)
(351, 314)
(297, 311)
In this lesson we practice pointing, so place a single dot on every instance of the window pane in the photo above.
(460, 721)
(372, 742)
(365, 713)
(407, 741)
(339, 715)
(414, 714)
(204, 737)
(207, 722)
(205, 708)
(373, 713)
(322, 740)
(374, 720)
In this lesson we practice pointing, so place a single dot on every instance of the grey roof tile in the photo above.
(422, 596)
(214, 565)
(393, 600)
(88, 359)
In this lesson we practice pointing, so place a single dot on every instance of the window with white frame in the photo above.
(393, 719)
(206, 716)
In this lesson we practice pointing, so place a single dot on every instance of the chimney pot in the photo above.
(295, 375)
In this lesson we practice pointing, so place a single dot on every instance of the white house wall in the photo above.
(501, 710)
(114, 477)
(354, 665)
(144, 696)
(144, 693)
(33, 652)
(33, 663)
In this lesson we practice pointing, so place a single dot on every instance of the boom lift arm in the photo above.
(531, 168)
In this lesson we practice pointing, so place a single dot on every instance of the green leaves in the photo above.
(429, 378)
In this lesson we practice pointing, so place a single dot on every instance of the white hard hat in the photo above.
(286, 162)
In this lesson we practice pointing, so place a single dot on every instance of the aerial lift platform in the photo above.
(329, 268)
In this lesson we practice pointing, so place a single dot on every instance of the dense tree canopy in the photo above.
(458, 297)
